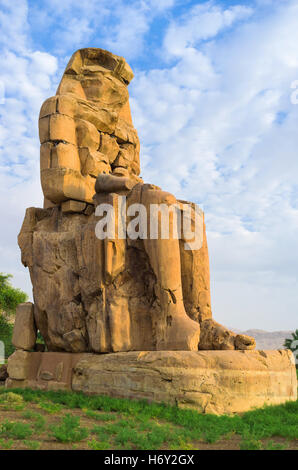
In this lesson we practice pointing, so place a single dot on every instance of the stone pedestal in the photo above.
(209, 381)
(41, 370)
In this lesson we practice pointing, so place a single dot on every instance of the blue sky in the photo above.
(211, 100)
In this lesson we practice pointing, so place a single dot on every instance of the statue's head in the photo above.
(98, 76)
(86, 129)
(94, 60)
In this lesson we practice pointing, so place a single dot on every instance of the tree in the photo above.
(10, 298)
(292, 344)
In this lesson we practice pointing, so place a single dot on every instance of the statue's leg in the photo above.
(197, 301)
(195, 274)
(175, 330)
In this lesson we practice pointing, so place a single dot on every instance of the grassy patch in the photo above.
(100, 416)
(11, 401)
(39, 422)
(97, 445)
(6, 444)
(15, 430)
(32, 445)
(51, 408)
(110, 423)
(69, 429)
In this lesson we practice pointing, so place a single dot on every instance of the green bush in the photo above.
(32, 445)
(15, 430)
(69, 430)
(6, 335)
(292, 344)
(11, 401)
(10, 298)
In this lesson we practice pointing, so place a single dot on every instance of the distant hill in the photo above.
(267, 339)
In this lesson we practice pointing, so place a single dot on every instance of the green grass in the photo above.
(39, 422)
(51, 408)
(6, 330)
(100, 416)
(6, 444)
(96, 445)
(275, 446)
(130, 424)
(11, 401)
(69, 430)
(32, 445)
(15, 430)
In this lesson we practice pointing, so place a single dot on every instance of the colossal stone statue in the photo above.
(112, 294)
(143, 300)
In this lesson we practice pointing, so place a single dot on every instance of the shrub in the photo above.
(69, 430)
(10, 298)
(11, 401)
(15, 430)
(6, 330)
(292, 344)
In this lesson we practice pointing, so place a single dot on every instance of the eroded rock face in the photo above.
(90, 294)
(209, 381)
(18, 365)
(24, 332)
(217, 382)
(114, 294)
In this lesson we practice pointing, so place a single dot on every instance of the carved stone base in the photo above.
(41, 370)
(208, 381)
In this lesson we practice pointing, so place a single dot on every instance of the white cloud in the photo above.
(203, 22)
(161, 5)
(128, 35)
(119, 25)
(27, 77)
(13, 24)
(211, 124)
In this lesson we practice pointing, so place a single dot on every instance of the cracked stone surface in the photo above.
(217, 382)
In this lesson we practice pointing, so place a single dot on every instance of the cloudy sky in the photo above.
(214, 108)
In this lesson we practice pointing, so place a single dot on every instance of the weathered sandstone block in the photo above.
(209, 381)
(71, 206)
(24, 331)
(90, 111)
(218, 382)
(41, 370)
(18, 365)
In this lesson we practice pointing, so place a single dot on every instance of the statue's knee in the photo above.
(156, 195)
